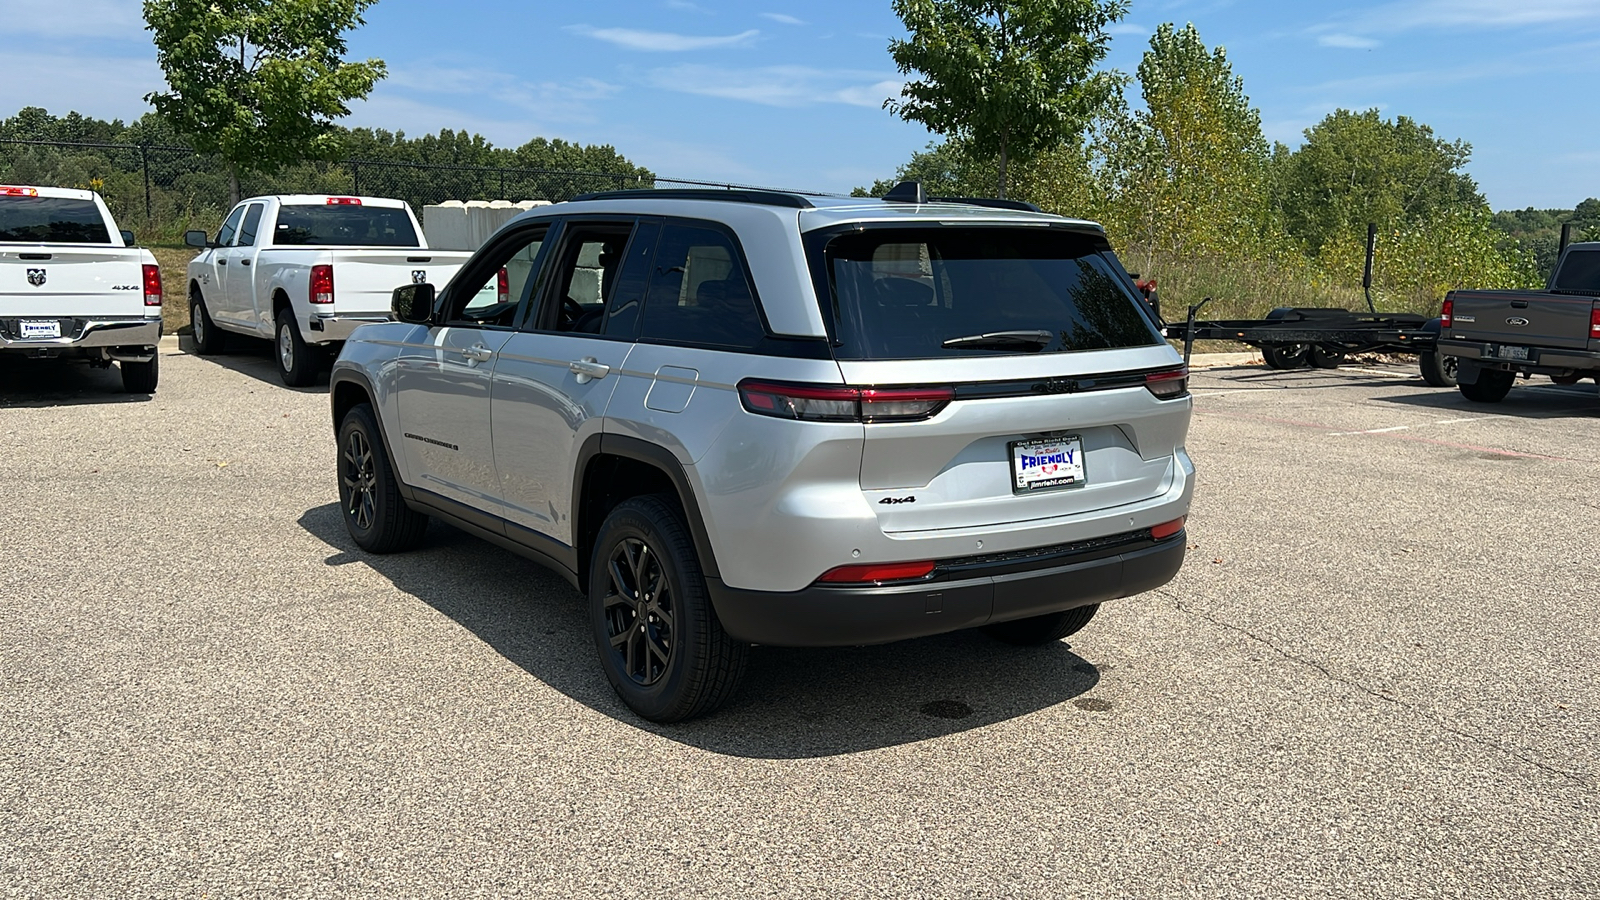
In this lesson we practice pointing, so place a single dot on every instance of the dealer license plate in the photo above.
(49, 328)
(1507, 351)
(1046, 465)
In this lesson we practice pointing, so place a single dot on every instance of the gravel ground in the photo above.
(1375, 676)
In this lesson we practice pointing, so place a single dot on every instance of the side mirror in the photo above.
(412, 303)
(128, 240)
(196, 239)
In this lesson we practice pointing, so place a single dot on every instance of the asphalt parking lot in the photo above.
(1375, 676)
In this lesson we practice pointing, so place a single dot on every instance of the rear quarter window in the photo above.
(51, 220)
(927, 292)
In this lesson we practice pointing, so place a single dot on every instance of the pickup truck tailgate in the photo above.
(52, 281)
(364, 280)
(1530, 318)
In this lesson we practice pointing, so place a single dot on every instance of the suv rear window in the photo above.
(51, 220)
(344, 226)
(918, 293)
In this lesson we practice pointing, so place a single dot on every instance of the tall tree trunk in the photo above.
(233, 187)
(1002, 169)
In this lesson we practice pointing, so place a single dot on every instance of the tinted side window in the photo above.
(584, 280)
(700, 292)
(252, 222)
(622, 310)
(230, 228)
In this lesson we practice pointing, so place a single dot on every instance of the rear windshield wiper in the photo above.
(999, 339)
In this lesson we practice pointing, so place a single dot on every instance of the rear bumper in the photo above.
(84, 333)
(960, 594)
(1544, 358)
(329, 327)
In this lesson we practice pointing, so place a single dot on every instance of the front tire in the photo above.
(1437, 369)
(1043, 629)
(1492, 386)
(207, 338)
(141, 377)
(297, 362)
(660, 642)
(374, 513)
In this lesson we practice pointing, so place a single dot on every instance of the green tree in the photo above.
(1356, 168)
(1009, 78)
(258, 82)
(1191, 168)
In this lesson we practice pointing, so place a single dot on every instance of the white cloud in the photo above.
(570, 101)
(1129, 28)
(782, 19)
(663, 41)
(786, 86)
(104, 87)
(1347, 41)
(85, 18)
(1482, 13)
(686, 6)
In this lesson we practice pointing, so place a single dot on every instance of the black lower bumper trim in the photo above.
(830, 616)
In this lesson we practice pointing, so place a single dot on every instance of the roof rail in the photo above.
(993, 202)
(762, 198)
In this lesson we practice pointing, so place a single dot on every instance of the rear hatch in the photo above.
(1046, 353)
(57, 261)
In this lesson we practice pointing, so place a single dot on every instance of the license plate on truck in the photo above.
(1046, 464)
(1508, 351)
(35, 329)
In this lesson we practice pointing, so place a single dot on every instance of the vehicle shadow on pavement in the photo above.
(1533, 400)
(253, 357)
(793, 703)
(60, 382)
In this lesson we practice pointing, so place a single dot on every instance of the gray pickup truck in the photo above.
(1495, 335)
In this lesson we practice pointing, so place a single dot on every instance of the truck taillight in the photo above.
(842, 403)
(344, 201)
(322, 284)
(1594, 323)
(1168, 385)
(502, 287)
(1447, 315)
(152, 285)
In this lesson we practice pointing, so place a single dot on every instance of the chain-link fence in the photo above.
(160, 192)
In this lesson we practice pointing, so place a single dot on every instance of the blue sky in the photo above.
(789, 94)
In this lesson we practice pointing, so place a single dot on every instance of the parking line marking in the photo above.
(1370, 431)
(1328, 430)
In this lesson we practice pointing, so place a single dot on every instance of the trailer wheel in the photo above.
(1325, 358)
(1285, 356)
(1437, 369)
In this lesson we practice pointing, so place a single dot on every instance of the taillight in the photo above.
(502, 287)
(828, 403)
(322, 284)
(1166, 529)
(344, 201)
(872, 573)
(1168, 385)
(1447, 314)
(152, 285)
(1594, 323)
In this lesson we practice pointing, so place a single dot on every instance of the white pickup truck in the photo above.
(305, 270)
(73, 286)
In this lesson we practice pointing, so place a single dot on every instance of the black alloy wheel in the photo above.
(639, 612)
(374, 513)
(357, 472)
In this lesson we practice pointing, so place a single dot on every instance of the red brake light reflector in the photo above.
(1167, 529)
(1168, 385)
(1447, 314)
(152, 285)
(1594, 323)
(877, 572)
(502, 287)
(19, 191)
(842, 403)
(344, 201)
(322, 284)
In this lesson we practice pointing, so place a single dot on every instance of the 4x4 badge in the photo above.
(35, 276)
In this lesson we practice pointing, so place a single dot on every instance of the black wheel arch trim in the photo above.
(359, 379)
(661, 458)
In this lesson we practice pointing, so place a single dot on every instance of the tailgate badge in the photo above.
(1517, 321)
(419, 276)
(35, 277)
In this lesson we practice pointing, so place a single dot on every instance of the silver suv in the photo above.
(738, 417)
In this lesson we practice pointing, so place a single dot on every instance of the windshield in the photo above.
(917, 293)
(51, 220)
(344, 226)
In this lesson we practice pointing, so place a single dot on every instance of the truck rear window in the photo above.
(917, 293)
(344, 226)
(1580, 271)
(51, 220)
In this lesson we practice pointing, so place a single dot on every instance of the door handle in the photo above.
(478, 353)
(244, 262)
(222, 262)
(588, 369)
(1519, 304)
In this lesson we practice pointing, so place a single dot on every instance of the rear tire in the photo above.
(660, 642)
(1492, 386)
(1437, 369)
(141, 377)
(374, 513)
(1043, 629)
(207, 338)
(297, 362)
(1323, 358)
(1284, 356)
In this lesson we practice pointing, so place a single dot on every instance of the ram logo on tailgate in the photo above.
(35, 277)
